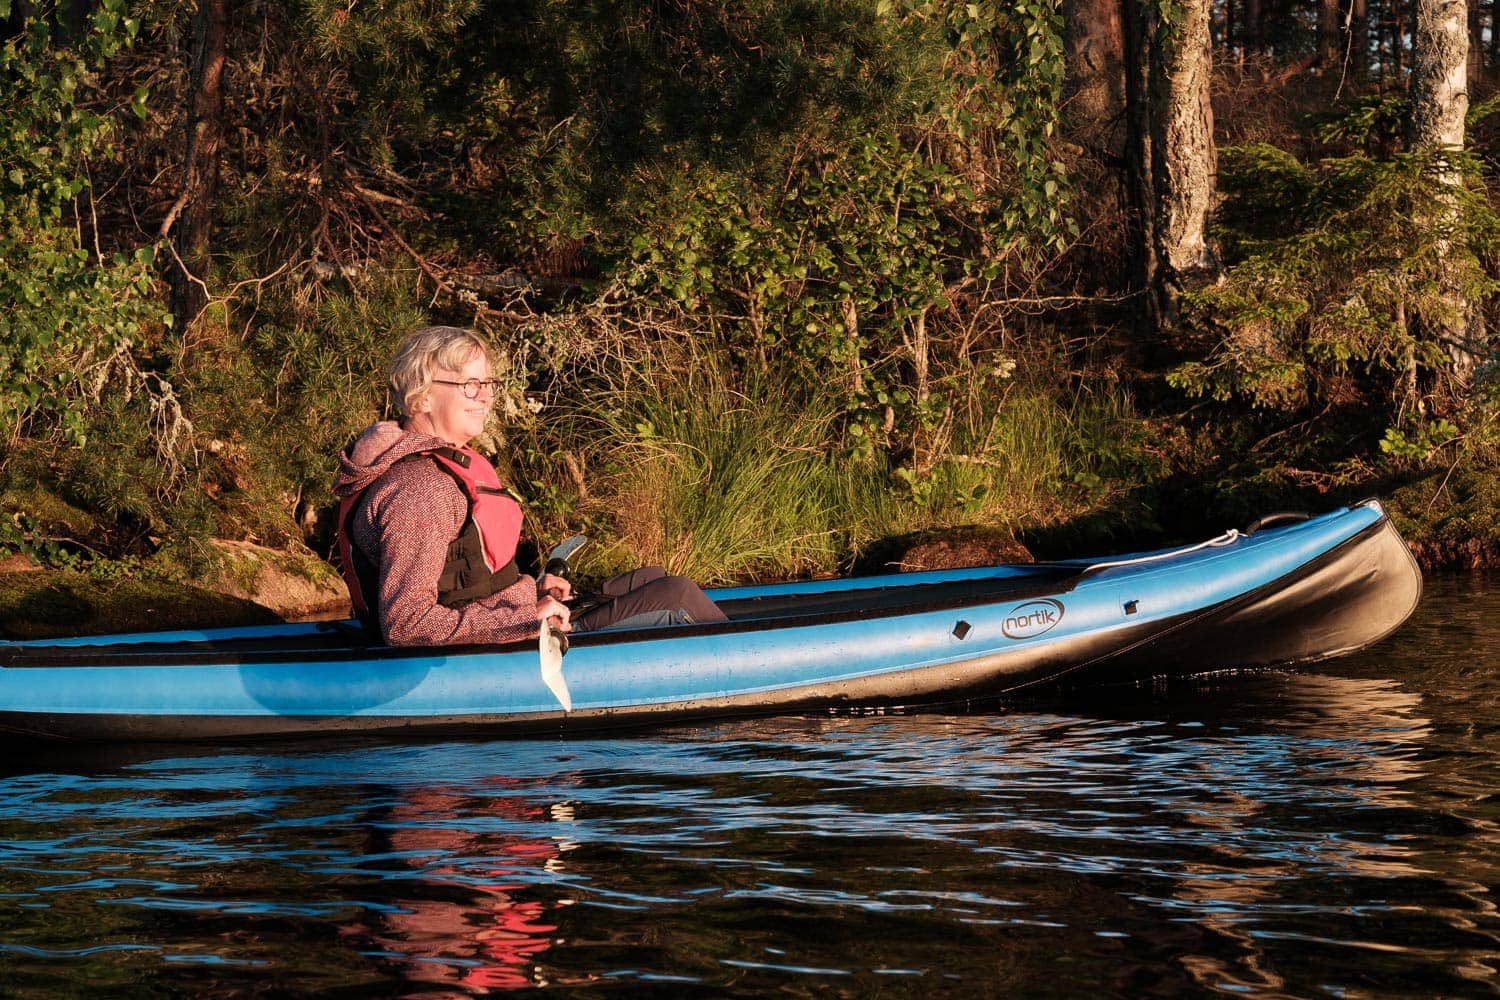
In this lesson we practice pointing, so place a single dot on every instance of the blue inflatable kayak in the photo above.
(1290, 589)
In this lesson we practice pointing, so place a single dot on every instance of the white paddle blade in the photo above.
(552, 675)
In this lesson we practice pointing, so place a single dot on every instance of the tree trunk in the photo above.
(1341, 38)
(1439, 98)
(1388, 29)
(1330, 39)
(1359, 39)
(1439, 89)
(1476, 41)
(1228, 35)
(193, 212)
(1251, 29)
(1171, 158)
(1494, 54)
(1094, 95)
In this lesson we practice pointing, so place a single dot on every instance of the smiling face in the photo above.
(449, 414)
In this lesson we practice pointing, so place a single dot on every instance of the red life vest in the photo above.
(479, 562)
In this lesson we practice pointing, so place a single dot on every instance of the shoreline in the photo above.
(259, 586)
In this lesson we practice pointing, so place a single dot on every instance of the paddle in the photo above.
(551, 643)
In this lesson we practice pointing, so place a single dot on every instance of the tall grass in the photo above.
(723, 483)
(723, 477)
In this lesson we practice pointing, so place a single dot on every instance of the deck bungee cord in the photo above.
(1218, 541)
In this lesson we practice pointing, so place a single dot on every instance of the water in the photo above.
(1325, 832)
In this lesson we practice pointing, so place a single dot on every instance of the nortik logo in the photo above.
(1031, 619)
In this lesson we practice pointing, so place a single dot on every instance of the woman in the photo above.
(427, 534)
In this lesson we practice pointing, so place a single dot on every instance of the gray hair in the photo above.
(448, 347)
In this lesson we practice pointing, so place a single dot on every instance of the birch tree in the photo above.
(1438, 101)
(1171, 159)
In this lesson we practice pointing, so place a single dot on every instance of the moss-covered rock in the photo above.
(294, 585)
(40, 604)
(243, 585)
(1451, 519)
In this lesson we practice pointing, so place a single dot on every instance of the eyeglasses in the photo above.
(472, 386)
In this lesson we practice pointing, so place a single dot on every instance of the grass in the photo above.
(720, 483)
(727, 478)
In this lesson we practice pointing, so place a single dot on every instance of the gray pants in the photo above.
(645, 597)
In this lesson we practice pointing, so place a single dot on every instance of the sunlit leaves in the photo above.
(65, 314)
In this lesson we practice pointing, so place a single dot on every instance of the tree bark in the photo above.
(193, 212)
(1251, 31)
(1170, 154)
(1438, 99)
(1475, 41)
(1094, 96)
(1494, 53)
(1397, 26)
(1341, 38)
(1439, 88)
(1359, 39)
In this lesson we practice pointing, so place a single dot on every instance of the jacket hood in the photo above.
(377, 448)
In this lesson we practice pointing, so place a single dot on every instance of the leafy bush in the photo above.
(70, 316)
(1345, 303)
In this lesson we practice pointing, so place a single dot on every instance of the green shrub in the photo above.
(70, 316)
(1345, 305)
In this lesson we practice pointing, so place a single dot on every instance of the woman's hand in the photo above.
(549, 609)
(556, 586)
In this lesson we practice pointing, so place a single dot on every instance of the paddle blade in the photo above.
(551, 643)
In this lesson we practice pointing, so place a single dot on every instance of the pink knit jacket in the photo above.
(404, 524)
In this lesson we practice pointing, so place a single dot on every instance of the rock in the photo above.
(51, 603)
(295, 587)
(249, 585)
(953, 548)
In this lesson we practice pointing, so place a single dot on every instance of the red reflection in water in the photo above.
(486, 935)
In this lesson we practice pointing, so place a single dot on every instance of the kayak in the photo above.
(1289, 589)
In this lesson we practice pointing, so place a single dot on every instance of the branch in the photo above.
(482, 308)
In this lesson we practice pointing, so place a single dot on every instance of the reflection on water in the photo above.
(1282, 834)
(466, 918)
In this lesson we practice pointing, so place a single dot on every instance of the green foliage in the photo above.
(829, 279)
(1341, 302)
(1264, 190)
(1006, 73)
(826, 193)
(70, 316)
(806, 187)
(387, 59)
(53, 533)
(1376, 122)
(848, 269)
(287, 397)
(1373, 122)
(20, 534)
(728, 474)
(1419, 444)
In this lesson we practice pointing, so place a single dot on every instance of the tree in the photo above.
(1439, 90)
(1438, 100)
(1169, 147)
(193, 212)
(1094, 97)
